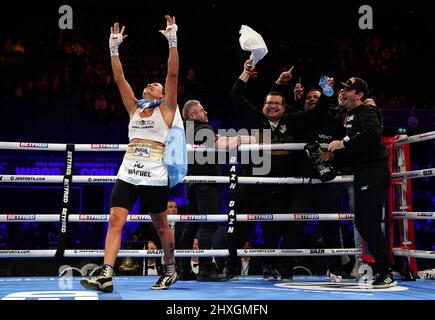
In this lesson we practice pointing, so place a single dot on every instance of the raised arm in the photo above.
(127, 95)
(246, 110)
(285, 77)
(169, 107)
(281, 84)
(247, 70)
(310, 118)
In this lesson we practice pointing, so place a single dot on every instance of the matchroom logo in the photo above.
(104, 146)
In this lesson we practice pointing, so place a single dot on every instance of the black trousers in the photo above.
(263, 199)
(371, 188)
(321, 198)
(247, 198)
(202, 199)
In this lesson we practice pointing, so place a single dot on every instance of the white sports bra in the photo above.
(153, 127)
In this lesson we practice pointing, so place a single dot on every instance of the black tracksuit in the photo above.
(368, 159)
(271, 198)
(201, 199)
(324, 198)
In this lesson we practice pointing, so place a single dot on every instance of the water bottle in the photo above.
(327, 89)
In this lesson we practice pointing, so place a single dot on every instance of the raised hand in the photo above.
(116, 38)
(248, 65)
(298, 91)
(286, 76)
(171, 31)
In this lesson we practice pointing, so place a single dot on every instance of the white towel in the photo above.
(252, 41)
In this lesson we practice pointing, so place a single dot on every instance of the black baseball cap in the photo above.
(358, 84)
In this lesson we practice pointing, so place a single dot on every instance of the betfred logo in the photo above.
(104, 146)
(33, 145)
(92, 217)
(20, 217)
(345, 216)
(300, 216)
(137, 217)
(192, 218)
(260, 217)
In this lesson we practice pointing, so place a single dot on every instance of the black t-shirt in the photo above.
(329, 129)
(203, 163)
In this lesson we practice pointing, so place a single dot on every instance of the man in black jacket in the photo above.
(202, 198)
(368, 159)
(272, 198)
(321, 198)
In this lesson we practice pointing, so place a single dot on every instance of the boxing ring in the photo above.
(67, 287)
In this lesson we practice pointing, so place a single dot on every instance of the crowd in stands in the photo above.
(61, 87)
(68, 75)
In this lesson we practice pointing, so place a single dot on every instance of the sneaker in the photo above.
(428, 274)
(169, 276)
(375, 276)
(270, 273)
(208, 272)
(384, 280)
(102, 282)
